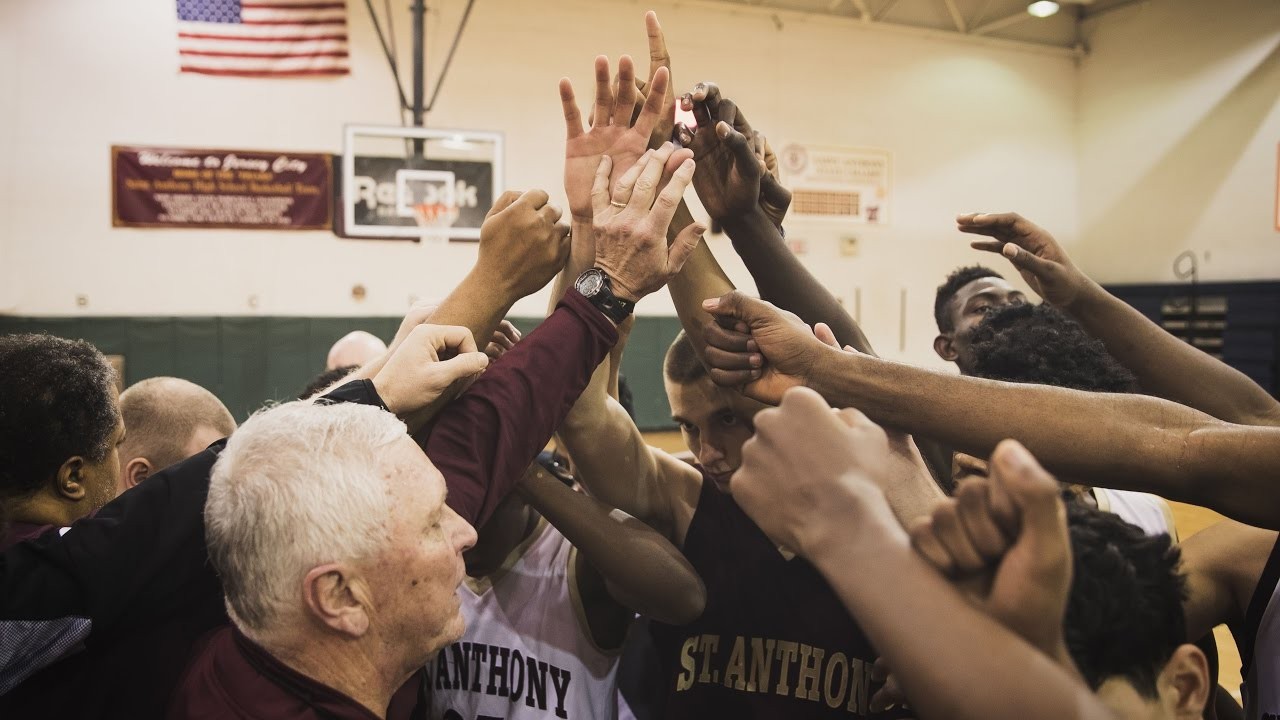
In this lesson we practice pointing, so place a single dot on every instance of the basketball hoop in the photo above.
(435, 219)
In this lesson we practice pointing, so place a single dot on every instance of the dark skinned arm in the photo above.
(624, 566)
(1128, 442)
(1165, 366)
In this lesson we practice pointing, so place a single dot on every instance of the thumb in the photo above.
(737, 304)
(1024, 259)
(1035, 492)
(823, 332)
(503, 202)
(683, 246)
(461, 366)
(743, 155)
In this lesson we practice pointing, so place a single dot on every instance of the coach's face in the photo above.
(414, 581)
(715, 422)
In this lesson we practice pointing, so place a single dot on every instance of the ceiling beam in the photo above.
(864, 14)
(1004, 22)
(956, 17)
(887, 7)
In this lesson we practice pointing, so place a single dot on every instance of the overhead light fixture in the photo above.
(1043, 8)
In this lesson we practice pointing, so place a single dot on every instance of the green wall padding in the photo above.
(248, 361)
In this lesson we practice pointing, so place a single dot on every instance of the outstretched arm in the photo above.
(738, 186)
(836, 515)
(1129, 442)
(1165, 366)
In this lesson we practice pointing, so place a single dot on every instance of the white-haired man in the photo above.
(340, 562)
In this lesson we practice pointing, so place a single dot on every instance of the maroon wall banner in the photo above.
(171, 187)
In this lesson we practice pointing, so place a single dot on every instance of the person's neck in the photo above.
(353, 668)
(41, 509)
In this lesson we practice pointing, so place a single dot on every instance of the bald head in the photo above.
(166, 420)
(355, 348)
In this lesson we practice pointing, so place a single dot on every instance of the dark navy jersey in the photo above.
(774, 640)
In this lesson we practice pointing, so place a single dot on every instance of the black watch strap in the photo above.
(597, 288)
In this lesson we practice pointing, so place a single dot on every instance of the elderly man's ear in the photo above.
(338, 598)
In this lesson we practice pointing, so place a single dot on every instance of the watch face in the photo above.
(590, 283)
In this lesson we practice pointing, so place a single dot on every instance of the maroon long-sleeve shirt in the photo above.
(482, 443)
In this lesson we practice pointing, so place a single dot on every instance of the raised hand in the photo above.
(759, 349)
(1010, 530)
(845, 457)
(711, 109)
(522, 244)
(611, 133)
(630, 222)
(1038, 257)
(415, 378)
(729, 174)
(659, 57)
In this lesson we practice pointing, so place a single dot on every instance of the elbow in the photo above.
(684, 605)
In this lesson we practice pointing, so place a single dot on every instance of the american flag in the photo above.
(263, 38)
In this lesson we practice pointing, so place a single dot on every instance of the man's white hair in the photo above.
(298, 485)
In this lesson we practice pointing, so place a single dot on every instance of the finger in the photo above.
(823, 332)
(604, 94)
(727, 112)
(928, 546)
(625, 103)
(623, 189)
(989, 220)
(646, 186)
(674, 162)
(993, 246)
(726, 360)
(449, 337)
(572, 116)
(654, 103)
(1034, 491)
(757, 146)
(740, 306)
(774, 192)
(550, 212)
(509, 330)
(658, 54)
(706, 100)
(951, 534)
(502, 203)
(853, 417)
(464, 365)
(534, 199)
(682, 249)
(600, 187)
(1026, 260)
(732, 378)
(664, 209)
(737, 142)
(888, 696)
(727, 339)
(974, 502)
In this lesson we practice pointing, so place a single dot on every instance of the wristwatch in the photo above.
(597, 288)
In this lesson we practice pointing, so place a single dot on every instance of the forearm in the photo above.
(478, 303)
(701, 278)
(927, 632)
(1169, 368)
(1128, 442)
(644, 572)
(483, 441)
(784, 281)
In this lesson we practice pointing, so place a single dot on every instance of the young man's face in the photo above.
(968, 307)
(715, 422)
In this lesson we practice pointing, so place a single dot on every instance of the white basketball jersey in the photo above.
(526, 652)
(1147, 511)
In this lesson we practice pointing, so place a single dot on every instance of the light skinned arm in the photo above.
(1165, 366)
(635, 568)
(1222, 564)
(1128, 442)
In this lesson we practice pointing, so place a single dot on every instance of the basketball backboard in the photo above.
(418, 182)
